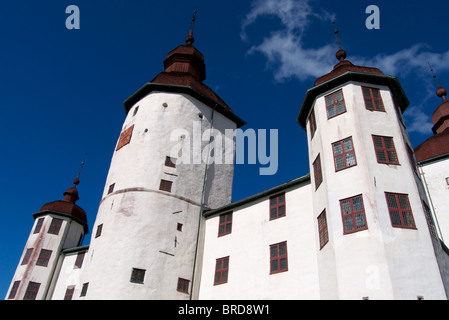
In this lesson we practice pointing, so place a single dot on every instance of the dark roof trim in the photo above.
(149, 87)
(75, 249)
(260, 195)
(437, 158)
(64, 215)
(390, 81)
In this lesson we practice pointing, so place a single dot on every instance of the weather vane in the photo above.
(82, 165)
(434, 75)
(190, 40)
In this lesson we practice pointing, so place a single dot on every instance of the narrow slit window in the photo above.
(312, 123)
(322, 229)
(99, 230)
(317, 172)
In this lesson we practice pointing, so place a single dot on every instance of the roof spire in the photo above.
(441, 92)
(190, 40)
(77, 179)
(341, 54)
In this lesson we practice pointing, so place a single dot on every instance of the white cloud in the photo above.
(289, 58)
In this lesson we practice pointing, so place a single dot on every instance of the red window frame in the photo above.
(312, 124)
(322, 229)
(111, 188)
(44, 257)
(332, 102)
(221, 271)
(373, 99)
(278, 258)
(179, 227)
(32, 290)
(385, 150)
(318, 175)
(346, 156)
(13, 292)
(27, 256)
(125, 138)
(401, 214)
(183, 285)
(55, 226)
(39, 223)
(169, 162)
(69, 293)
(353, 214)
(79, 260)
(99, 230)
(165, 185)
(278, 206)
(225, 224)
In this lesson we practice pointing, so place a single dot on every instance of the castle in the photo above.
(368, 222)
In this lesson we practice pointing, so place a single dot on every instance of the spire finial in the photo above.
(341, 54)
(77, 179)
(190, 40)
(441, 92)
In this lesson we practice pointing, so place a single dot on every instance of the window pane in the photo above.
(281, 198)
(395, 218)
(228, 228)
(274, 265)
(381, 156)
(273, 202)
(224, 276)
(338, 96)
(341, 107)
(347, 145)
(389, 143)
(281, 211)
(360, 220)
(366, 92)
(282, 249)
(221, 229)
(274, 251)
(392, 156)
(331, 111)
(350, 159)
(339, 162)
(346, 207)
(217, 277)
(408, 219)
(348, 223)
(219, 264)
(369, 104)
(403, 202)
(391, 200)
(338, 149)
(273, 213)
(329, 100)
(225, 263)
(376, 93)
(379, 105)
(357, 204)
(378, 142)
(283, 264)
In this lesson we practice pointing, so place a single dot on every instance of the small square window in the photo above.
(39, 225)
(335, 104)
(99, 230)
(170, 162)
(353, 214)
(43, 258)
(84, 289)
(221, 271)
(322, 229)
(111, 188)
(225, 224)
(125, 138)
(344, 155)
(278, 258)
(32, 290)
(317, 172)
(179, 227)
(183, 285)
(277, 206)
(137, 275)
(55, 226)
(165, 185)
(385, 150)
(373, 99)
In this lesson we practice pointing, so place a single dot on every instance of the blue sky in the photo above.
(62, 91)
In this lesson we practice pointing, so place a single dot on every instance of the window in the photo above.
(39, 225)
(137, 275)
(99, 230)
(344, 155)
(179, 227)
(84, 289)
(278, 258)
(312, 124)
(69, 293)
(353, 214)
(385, 150)
(430, 222)
(183, 285)
(111, 188)
(447, 181)
(165, 185)
(221, 271)
(373, 100)
(79, 260)
(32, 289)
(400, 211)
(27, 256)
(15, 287)
(322, 229)
(136, 109)
(335, 104)
(55, 226)
(125, 138)
(277, 206)
(43, 258)
(225, 224)
(170, 162)
(317, 172)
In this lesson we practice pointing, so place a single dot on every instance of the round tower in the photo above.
(161, 177)
(58, 225)
(368, 200)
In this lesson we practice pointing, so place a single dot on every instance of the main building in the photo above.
(368, 222)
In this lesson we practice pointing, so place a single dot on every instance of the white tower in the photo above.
(58, 225)
(144, 241)
(368, 200)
